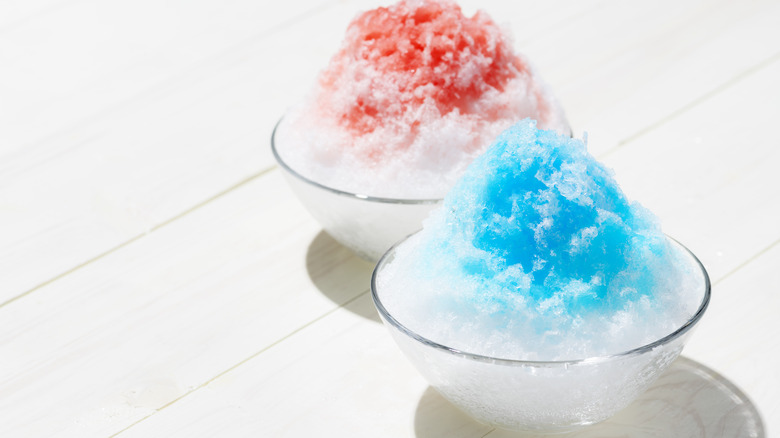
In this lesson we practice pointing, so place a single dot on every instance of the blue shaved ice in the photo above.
(537, 254)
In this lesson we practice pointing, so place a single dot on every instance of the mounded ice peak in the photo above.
(416, 91)
(538, 250)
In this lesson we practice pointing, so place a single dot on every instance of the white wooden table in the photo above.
(158, 278)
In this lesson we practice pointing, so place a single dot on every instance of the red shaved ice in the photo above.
(416, 91)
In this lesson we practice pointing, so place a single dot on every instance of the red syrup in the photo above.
(416, 53)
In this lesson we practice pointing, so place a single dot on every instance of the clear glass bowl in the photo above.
(539, 396)
(367, 225)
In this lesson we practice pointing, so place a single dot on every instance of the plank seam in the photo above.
(245, 360)
(488, 432)
(694, 103)
(747, 262)
(143, 234)
(199, 68)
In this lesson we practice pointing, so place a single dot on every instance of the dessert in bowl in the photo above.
(540, 396)
(538, 297)
(415, 93)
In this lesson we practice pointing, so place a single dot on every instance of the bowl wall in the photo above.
(366, 226)
(539, 396)
(553, 398)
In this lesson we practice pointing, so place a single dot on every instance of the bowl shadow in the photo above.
(337, 272)
(688, 400)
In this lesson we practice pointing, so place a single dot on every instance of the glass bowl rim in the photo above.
(543, 363)
(361, 196)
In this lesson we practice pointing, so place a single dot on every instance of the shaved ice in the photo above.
(415, 93)
(537, 254)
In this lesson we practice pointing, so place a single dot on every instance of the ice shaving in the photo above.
(537, 254)
(415, 93)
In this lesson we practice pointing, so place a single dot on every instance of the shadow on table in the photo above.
(688, 400)
(337, 272)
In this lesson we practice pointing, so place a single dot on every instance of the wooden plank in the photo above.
(738, 335)
(341, 376)
(113, 342)
(70, 65)
(13, 14)
(623, 67)
(102, 183)
(710, 174)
